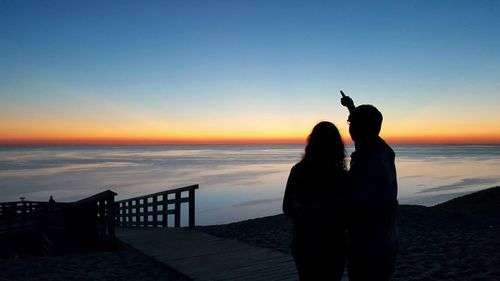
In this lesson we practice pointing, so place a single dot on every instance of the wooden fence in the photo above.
(8, 209)
(20, 215)
(153, 210)
(33, 227)
(90, 221)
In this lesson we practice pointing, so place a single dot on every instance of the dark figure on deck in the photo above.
(52, 202)
(319, 238)
(371, 224)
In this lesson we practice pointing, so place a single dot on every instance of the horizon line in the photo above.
(242, 141)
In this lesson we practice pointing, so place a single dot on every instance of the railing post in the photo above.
(155, 209)
(110, 216)
(100, 208)
(130, 214)
(165, 210)
(23, 214)
(191, 208)
(177, 210)
(136, 214)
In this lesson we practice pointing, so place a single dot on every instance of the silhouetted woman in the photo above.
(319, 240)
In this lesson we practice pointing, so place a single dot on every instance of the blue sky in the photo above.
(208, 66)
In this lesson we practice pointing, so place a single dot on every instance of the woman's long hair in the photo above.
(325, 149)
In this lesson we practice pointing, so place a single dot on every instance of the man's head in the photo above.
(365, 122)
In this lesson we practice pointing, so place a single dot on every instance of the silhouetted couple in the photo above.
(344, 216)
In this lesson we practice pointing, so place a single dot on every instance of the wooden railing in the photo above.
(19, 215)
(152, 210)
(90, 221)
(21, 207)
(35, 227)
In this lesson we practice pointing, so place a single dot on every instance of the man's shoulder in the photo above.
(385, 149)
(380, 151)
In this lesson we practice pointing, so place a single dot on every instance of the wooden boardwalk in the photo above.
(201, 256)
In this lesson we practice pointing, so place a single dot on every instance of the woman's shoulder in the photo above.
(299, 167)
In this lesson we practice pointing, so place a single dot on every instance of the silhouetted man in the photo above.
(371, 227)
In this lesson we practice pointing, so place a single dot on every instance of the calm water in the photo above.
(236, 182)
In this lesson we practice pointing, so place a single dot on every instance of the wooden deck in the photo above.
(201, 256)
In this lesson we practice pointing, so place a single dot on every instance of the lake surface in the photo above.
(236, 182)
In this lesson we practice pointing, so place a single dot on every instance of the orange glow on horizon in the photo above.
(133, 141)
(131, 128)
(242, 140)
(443, 140)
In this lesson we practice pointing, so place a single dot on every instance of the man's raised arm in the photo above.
(347, 102)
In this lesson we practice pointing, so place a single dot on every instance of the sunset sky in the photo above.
(246, 71)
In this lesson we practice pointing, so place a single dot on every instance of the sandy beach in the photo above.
(456, 240)
(124, 264)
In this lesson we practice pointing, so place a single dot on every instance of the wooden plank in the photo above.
(154, 211)
(165, 211)
(182, 200)
(111, 218)
(130, 214)
(166, 192)
(177, 208)
(191, 203)
(205, 257)
(101, 195)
